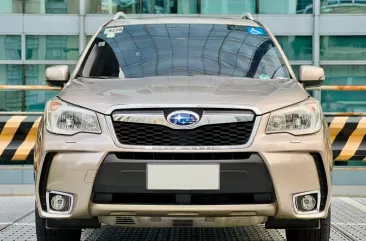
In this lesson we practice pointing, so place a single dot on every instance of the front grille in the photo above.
(237, 133)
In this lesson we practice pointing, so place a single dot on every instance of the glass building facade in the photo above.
(41, 33)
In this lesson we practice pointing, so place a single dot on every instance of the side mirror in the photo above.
(57, 75)
(311, 75)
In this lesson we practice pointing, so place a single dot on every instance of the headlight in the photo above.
(65, 119)
(301, 119)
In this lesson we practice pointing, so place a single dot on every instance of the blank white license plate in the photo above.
(183, 176)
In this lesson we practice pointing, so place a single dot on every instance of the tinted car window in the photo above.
(136, 51)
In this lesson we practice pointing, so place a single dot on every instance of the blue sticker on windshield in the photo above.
(255, 31)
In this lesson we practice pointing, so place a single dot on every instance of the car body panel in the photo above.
(183, 90)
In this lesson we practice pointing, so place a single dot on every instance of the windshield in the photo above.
(146, 50)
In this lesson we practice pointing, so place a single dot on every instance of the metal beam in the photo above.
(28, 87)
(339, 87)
(344, 113)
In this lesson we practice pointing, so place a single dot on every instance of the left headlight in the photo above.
(65, 119)
(300, 119)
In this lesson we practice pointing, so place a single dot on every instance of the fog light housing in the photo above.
(308, 202)
(305, 203)
(59, 202)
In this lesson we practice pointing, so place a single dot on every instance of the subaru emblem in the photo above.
(183, 118)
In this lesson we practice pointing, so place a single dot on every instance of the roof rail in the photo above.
(119, 15)
(247, 16)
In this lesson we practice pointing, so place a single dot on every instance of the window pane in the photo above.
(142, 6)
(87, 39)
(343, 6)
(36, 100)
(10, 6)
(343, 48)
(227, 6)
(52, 6)
(10, 47)
(286, 6)
(10, 75)
(344, 101)
(297, 47)
(52, 47)
(345, 74)
(24, 100)
(295, 68)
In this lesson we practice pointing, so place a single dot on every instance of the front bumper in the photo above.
(289, 159)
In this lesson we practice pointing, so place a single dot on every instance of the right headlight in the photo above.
(300, 119)
(65, 119)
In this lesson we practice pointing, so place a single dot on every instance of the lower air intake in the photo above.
(125, 221)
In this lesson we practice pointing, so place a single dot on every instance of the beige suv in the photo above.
(183, 122)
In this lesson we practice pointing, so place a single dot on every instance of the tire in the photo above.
(322, 234)
(44, 234)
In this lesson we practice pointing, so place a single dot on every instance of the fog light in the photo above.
(307, 202)
(58, 202)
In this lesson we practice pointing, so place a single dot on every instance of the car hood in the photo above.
(265, 95)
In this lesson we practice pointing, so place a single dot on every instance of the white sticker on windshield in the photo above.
(111, 32)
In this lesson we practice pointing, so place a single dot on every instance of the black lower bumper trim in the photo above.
(322, 180)
(273, 223)
(184, 199)
(72, 223)
(121, 176)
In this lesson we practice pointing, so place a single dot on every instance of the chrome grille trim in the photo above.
(111, 109)
(208, 118)
(257, 120)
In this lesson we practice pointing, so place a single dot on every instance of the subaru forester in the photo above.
(183, 122)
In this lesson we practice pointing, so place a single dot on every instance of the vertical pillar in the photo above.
(110, 7)
(291, 6)
(23, 48)
(316, 42)
(23, 66)
(42, 7)
(82, 25)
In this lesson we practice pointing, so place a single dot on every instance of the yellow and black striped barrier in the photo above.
(347, 134)
(18, 136)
